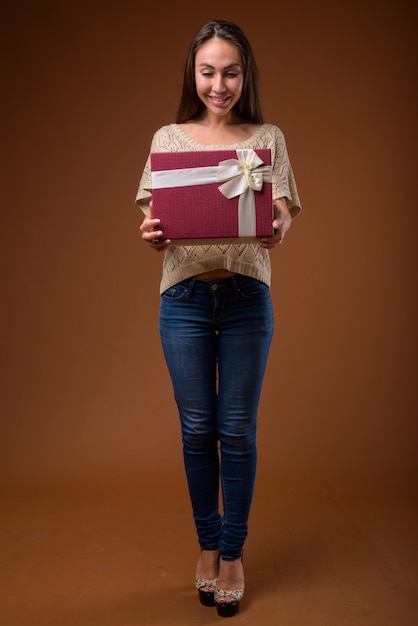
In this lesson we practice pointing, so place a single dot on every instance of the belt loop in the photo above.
(234, 285)
(192, 284)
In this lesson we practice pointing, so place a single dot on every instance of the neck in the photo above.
(218, 122)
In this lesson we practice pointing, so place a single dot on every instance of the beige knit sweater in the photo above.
(250, 259)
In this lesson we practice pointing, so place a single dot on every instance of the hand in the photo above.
(151, 233)
(281, 224)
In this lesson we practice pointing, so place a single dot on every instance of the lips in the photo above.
(219, 101)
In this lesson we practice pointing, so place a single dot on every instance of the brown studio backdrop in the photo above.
(85, 392)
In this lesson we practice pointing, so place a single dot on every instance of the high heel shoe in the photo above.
(205, 586)
(207, 598)
(228, 609)
(231, 600)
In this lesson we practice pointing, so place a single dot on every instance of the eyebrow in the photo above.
(227, 67)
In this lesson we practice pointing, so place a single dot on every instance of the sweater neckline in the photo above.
(217, 146)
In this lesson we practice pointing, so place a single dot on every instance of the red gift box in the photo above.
(213, 194)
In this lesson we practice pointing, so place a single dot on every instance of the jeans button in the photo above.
(214, 287)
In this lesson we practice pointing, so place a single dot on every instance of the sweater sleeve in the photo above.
(284, 183)
(144, 192)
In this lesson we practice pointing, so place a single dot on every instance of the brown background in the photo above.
(85, 393)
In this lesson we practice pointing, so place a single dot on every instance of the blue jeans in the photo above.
(216, 337)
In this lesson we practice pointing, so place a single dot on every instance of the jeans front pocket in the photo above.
(180, 291)
(251, 288)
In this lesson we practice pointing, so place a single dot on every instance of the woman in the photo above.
(216, 318)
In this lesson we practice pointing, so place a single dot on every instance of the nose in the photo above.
(218, 83)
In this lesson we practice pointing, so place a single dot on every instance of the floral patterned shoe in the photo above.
(206, 589)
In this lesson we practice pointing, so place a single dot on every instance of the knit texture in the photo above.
(250, 259)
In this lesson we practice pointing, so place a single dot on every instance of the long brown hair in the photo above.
(248, 106)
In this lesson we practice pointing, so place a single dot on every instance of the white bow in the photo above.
(243, 176)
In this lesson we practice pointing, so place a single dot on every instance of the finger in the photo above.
(278, 223)
(154, 236)
(149, 225)
(273, 242)
(159, 244)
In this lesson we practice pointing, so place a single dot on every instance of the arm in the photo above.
(281, 224)
(151, 233)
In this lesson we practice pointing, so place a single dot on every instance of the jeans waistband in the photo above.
(231, 284)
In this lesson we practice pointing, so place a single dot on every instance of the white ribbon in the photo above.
(240, 177)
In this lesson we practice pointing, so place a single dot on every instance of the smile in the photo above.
(222, 100)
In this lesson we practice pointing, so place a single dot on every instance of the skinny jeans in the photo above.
(216, 337)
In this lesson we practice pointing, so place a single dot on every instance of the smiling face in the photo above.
(219, 76)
